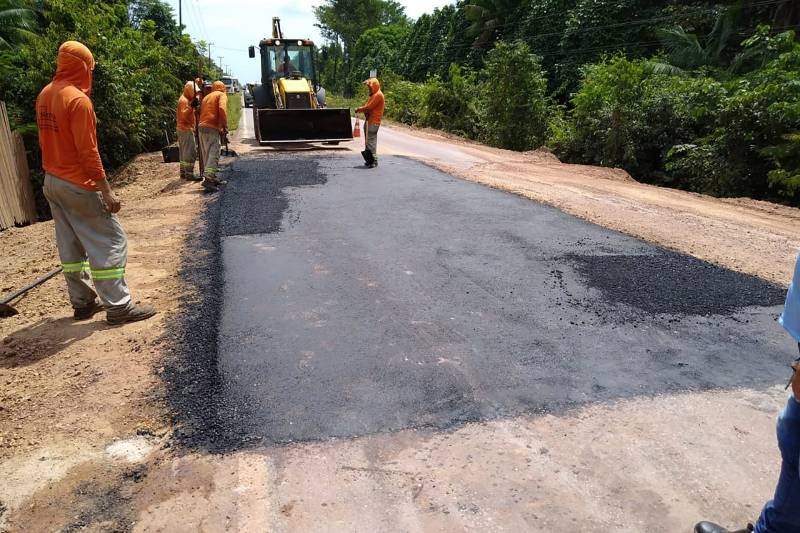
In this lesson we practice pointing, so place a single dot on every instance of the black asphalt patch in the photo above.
(359, 301)
(259, 207)
(672, 283)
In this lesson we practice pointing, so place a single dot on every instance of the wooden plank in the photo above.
(17, 205)
(24, 185)
(7, 172)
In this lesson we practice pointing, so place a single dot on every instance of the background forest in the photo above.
(700, 95)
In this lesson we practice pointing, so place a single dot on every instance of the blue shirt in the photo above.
(790, 319)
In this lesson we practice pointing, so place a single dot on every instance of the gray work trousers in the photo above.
(188, 152)
(371, 139)
(209, 145)
(91, 244)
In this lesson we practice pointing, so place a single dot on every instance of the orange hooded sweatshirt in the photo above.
(374, 106)
(185, 113)
(214, 108)
(66, 120)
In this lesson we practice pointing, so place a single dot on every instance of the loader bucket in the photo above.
(303, 125)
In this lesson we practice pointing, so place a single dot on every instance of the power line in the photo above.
(589, 29)
(576, 53)
(232, 49)
(704, 10)
(200, 14)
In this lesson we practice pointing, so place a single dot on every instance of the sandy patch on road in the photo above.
(70, 389)
(646, 464)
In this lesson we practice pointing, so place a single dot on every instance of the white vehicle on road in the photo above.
(231, 84)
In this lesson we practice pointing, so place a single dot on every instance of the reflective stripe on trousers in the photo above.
(209, 144)
(92, 246)
(188, 152)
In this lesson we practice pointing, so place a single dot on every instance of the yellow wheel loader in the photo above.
(289, 105)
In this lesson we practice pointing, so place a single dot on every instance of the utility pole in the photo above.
(209, 56)
(220, 62)
(180, 15)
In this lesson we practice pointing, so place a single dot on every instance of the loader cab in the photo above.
(285, 59)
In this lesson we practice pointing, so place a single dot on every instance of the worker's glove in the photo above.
(195, 103)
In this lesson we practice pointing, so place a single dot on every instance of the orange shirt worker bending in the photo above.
(213, 123)
(185, 125)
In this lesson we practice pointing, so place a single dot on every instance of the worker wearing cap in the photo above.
(186, 122)
(213, 124)
(373, 112)
(89, 236)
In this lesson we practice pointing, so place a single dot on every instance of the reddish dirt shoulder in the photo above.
(69, 389)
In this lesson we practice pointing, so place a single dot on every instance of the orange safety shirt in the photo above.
(185, 112)
(214, 108)
(375, 105)
(66, 120)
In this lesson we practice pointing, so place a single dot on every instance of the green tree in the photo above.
(18, 22)
(377, 49)
(346, 20)
(162, 16)
(513, 102)
(330, 61)
(488, 18)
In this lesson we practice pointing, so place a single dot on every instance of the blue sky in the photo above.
(233, 25)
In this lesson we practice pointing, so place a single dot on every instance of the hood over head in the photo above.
(373, 84)
(190, 89)
(218, 86)
(75, 65)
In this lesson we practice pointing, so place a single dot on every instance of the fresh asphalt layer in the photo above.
(340, 301)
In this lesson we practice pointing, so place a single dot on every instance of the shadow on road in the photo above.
(292, 147)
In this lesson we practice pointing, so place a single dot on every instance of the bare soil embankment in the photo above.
(81, 403)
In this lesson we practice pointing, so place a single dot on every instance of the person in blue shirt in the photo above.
(782, 513)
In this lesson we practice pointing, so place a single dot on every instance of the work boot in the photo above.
(373, 164)
(194, 177)
(85, 313)
(368, 158)
(711, 527)
(135, 313)
(210, 184)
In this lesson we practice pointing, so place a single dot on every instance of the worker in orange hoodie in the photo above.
(213, 124)
(186, 120)
(373, 112)
(89, 236)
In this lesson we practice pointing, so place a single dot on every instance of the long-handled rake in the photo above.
(7, 310)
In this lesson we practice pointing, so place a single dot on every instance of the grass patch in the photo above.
(234, 110)
(334, 100)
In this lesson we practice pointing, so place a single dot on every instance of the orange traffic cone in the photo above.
(357, 129)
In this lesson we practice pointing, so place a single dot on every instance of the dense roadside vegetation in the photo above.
(699, 95)
(234, 111)
(143, 59)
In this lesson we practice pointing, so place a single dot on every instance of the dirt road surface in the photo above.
(107, 429)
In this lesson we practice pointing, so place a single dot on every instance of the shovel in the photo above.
(227, 151)
(6, 310)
